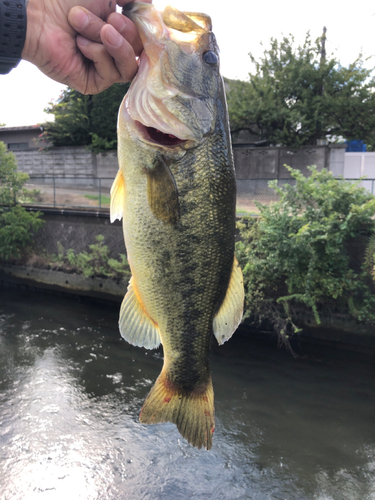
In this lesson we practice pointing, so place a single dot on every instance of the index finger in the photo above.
(86, 23)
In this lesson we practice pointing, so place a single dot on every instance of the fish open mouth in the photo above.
(156, 136)
(162, 138)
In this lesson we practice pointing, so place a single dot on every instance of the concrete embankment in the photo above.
(62, 282)
(77, 229)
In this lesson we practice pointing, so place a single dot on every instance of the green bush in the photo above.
(17, 229)
(95, 262)
(17, 226)
(295, 255)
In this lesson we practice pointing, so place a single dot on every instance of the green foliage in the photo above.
(296, 253)
(11, 181)
(95, 262)
(85, 120)
(296, 97)
(17, 229)
(369, 263)
(17, 226)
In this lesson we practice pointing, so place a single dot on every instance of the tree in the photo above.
(297, 96)
(17, 226)
(295, 256)
(85, 120)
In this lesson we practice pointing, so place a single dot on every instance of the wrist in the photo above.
(12, 33)
(34, 19)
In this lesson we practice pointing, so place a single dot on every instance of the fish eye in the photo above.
(210, 58)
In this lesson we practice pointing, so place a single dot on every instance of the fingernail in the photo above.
(113, 37)
(79, 19)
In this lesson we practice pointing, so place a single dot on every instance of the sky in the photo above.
(240, 27)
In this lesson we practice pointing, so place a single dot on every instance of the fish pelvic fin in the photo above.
(117, 197)
(136, 326)
(230, 313)
(192, 412)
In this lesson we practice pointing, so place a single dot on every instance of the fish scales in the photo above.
(176, 195)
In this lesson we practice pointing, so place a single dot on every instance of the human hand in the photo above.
(101, 54)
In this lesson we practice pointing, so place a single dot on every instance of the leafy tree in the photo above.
(297, 96)
(85, 120)
(11, 181)
(295, 255)
(17, 226)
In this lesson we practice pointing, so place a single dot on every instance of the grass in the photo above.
(105, 200)
(242, 211)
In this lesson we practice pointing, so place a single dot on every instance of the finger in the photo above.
(103, 71)
(121, 51)
(86, 23)
(127, 29)
(121, 3)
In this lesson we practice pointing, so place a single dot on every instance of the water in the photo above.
(71, 391)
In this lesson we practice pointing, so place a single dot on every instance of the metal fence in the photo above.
(70, 191)
(85, 192)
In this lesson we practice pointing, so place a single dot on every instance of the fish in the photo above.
(175, 191)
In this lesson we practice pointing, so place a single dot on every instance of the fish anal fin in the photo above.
(193, 412)
(162, 192)
(230, 312)
(117, 197)
(136, 326)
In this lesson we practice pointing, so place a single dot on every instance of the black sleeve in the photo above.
(12, 33)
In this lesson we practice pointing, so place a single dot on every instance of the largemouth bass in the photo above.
(175, 191)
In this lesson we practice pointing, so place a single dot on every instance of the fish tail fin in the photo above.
(192, 412)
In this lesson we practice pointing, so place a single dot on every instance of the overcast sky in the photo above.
(239, 26)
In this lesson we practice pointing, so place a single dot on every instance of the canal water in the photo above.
(71, 390)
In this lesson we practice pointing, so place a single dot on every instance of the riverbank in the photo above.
(66, 283)
(335, 330)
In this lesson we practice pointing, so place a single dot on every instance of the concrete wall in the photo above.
(268, 163)
(76, 161)
(250, 162)
(106, 167)
(78, 230)
(75, 165)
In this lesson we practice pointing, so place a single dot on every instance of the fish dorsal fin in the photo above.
(178, 20)
(201, 19)
(230, 313)
(162, 192)
(117, 197)
(136, 326)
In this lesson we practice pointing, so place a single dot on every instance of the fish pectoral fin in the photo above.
(136, 326)
(230, 312)
(117, 197)
(162, 192)
(193, 412)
